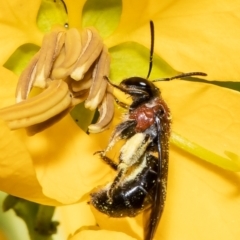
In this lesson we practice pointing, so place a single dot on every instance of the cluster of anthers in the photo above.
(70, 67)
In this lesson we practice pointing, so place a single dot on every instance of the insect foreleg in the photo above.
(122, 104)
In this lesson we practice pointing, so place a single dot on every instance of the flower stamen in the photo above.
(40, 108)
(70, 68)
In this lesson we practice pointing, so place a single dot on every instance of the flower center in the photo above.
(70, 67)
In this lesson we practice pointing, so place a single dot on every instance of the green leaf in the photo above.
(38, 218)
(103, 15)
(82, 116)
(20, 58)
(51, 13)
(232, 163)
(228, 84)
(132, 59)
(9, 202)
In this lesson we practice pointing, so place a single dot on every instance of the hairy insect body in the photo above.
(142, 169)
(133, 194)
(145, 114)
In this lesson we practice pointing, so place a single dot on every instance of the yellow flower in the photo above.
(56, 166)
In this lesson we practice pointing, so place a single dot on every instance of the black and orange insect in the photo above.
(142, 169)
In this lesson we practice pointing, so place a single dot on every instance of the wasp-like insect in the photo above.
(141, 180)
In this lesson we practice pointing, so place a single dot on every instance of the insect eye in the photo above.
(136, 82)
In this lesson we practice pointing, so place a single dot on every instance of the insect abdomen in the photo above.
(132, 196)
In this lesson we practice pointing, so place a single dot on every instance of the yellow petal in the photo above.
(74, 8)
(100, 234)
(8, 81)
(18, 26)
(131, 226)
(205, 114)
(54, 167)
(17, 171)
(60, 156)
(2, 235)
(75, 216)
(190, 36)
(203, 201)
(201, 37)
(64, 162)
(130, 21)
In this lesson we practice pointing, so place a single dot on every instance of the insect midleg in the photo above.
(107, 160)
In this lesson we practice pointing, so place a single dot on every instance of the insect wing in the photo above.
(159, 195)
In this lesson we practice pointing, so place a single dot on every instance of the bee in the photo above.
(141, 180)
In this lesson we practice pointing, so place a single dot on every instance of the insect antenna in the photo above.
(181, 76)
(151, 48)
(151, 62)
